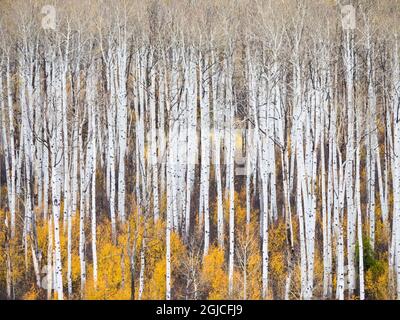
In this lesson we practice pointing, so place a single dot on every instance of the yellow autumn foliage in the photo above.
(214, 274)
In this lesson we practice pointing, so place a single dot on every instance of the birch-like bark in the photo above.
(205, 150)
(56, 174)
(153, 146)
(230, 110)
(372, 141)
(263, 115)
(122, 118)
(82, 209)
(191, 105)
(351, 222)
(92, 155)
(216, 100)
(359, 214)
(168, 230)
(12, 132)
(110, 66)
(142, 269)
(396, 168)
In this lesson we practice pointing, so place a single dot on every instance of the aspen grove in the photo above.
(199, 149)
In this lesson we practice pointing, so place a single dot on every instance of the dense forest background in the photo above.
(199, 149)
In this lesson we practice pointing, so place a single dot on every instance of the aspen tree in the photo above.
(56, 174)
(216, 100)
(121, 117)
(230, 110)
(153, 146)
(205, 150)
(359, 214)
(191, 105)
(12, 150)
(396, 165)
(348, 61)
